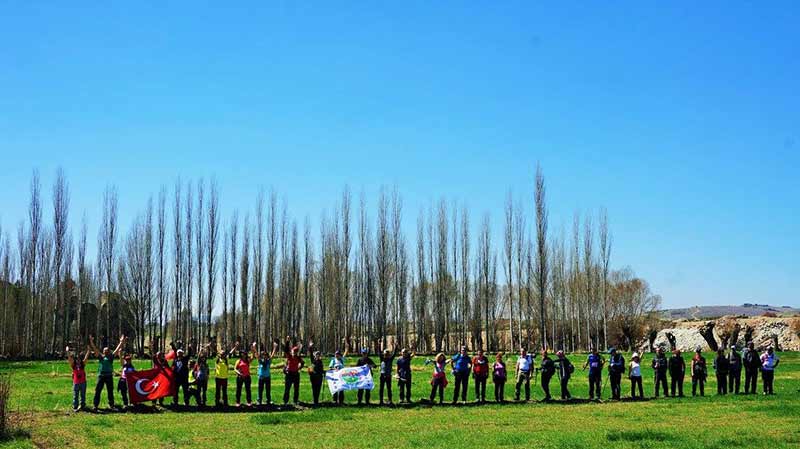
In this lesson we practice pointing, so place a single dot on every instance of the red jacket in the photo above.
(480, 366)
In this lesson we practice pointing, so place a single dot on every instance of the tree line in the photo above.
(183, 272)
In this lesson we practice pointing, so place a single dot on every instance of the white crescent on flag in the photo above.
(141, 391)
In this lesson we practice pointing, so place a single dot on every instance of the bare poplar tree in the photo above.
(244, 273)
(234, 244)
(200, 245)
(541, 250)
(509, 264)
(60, 224)
(161, 239)
(108, 240)
(211, 251)
(178, 252)
(188, 268)
(605, 258)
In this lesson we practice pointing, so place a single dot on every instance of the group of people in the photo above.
(191, 374)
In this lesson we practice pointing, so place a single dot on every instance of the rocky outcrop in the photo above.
(727, 331)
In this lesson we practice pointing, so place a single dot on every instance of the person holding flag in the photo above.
(337, 363)
(365, 360)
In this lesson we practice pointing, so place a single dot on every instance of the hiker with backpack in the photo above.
(548, 368)
(699, 372)
(523, 374)
(735, 370)
(660, 365)
(616, 368)
(595, 363)
(752, 365)
(499, 376)
(565, 370)
(677, 372)
(480, 373)
(721, 368)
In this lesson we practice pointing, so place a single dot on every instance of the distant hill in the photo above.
(708, 312)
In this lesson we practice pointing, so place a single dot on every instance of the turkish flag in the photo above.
(149, 385)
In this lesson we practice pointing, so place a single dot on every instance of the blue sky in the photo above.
(681, 119)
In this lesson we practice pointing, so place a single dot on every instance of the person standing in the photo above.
(721, 368)
(265, 375)
(595, 363)
(677, 372)
(735, 373)
(548, 370)
(660, 365)
(122, 384)
(636, 376)
(462, 365)
(565, 370)
(105, 371)
(616, 368)
(316, 373)
(365, 360)
(404, 375)
(337, 363)
(699, 372)
(769, 361)
(387, 363)
(202, 378)
(480, 373)
(523, 374)
(180, 370)
(752, 364)
(78, 366)
(499, 377)
(439, 379)
(221, 369)
(291, 371)
(243, 379)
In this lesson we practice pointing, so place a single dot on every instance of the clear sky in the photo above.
(680, 118)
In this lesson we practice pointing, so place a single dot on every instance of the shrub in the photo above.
(770, 314)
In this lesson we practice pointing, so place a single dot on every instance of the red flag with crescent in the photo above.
(149, 385)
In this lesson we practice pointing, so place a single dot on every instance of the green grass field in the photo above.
(41, 413)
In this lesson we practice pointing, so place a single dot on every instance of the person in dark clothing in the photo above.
(462, 365)
(752, 364)
(721, 367)
(735, 373)
(480, 373)
(616, 368)
(363, 394)
(548, 368)
(404, 375)
(660, 365)
(180, 371)
(699, 372)
(499, 376)
(565, 369)
(316, 373)
(387, 363)
(677, 372)
(595, 363)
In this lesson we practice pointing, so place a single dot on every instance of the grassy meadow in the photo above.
(42, 417)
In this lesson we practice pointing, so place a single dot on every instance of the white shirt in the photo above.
(635, 370)
(525, 363)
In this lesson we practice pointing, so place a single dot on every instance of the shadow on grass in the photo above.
(14, 435)
(640, 435)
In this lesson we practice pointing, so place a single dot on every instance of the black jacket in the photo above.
(677, 366)
(660, 364)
